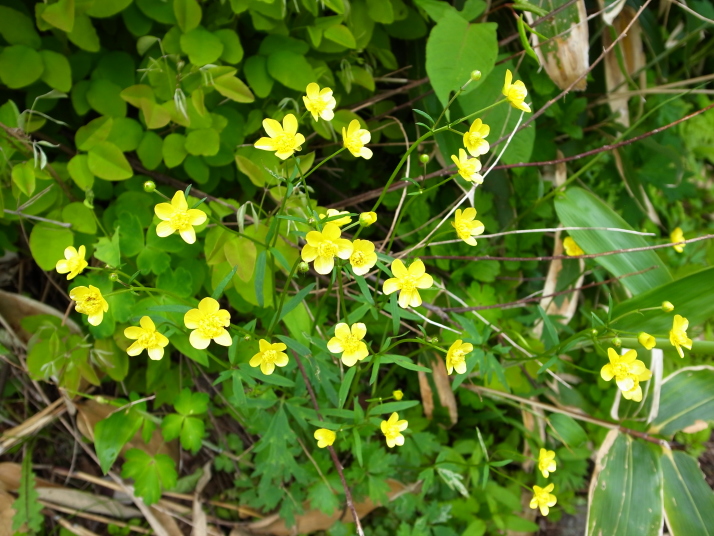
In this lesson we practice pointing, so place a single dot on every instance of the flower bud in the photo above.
(424, 158)
(594, 332)
(646, 340)
(367, 218)
(398, 395)
(303, 267)
(475, 75)
(101, 400)
(616, 342)
(434, 340)
(149, 186)
(667, 307)
(246, 337)
(114, 276)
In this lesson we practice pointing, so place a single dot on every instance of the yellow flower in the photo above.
(284, 140)
(398, 395)
(367, 218)
(468, 167)
(90, 302)
(177, 216)
(466, 226)
(355, 138)
(571, 247)
(73, 262)
(392, 430)
(325, 437)
(456, 356)
(546, 462)
(677, 236)
(323, 246)
(474, 140)
(208, 322)
(543, 498)
(516, 93)
(647, 340)
(667, 307)
(363, 256)
(408, 282)
(319, 102)
(628, 372)
(678, 334)
(349, 341)
(340, 221)
(147, 338)
(269, 357)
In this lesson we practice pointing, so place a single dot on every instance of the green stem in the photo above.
(322, 301)
(276, 319)
(338, 151)
(479, 112)
(343, 302)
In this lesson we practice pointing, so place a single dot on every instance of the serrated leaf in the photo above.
(28, 509)
(150, 474)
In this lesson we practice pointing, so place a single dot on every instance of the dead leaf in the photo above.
(165, 520)
(90, 412)
(565, 55)
(200, 524)
(6, 514)
(10, 474)
(427, 395)
(443, 388)
(612, 11)
(75, 529)
(697, 426)
(15, 307)
(87, 502)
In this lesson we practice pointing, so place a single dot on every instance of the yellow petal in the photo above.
(164, 229)
(179, 201)
(164, 211)
(391, 285)
(198, 341)
(188, 235)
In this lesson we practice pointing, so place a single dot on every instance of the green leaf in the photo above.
(126, 134)
(20, 66)
(293, 302)
(112, 433)
(108, 251)
(150, 474)
(567, 430)
(345, 386)
(47, 244)
(290, 69)
(322, 497)
(380, 11)
(104, 97)
(260, 276)
(81, 218)
(23, 176)
(391, 407)
(188, 403)
(341, 35)
(256, 73)
(57, 72)
(203, 142)
(174, 150)
(454, 49)
(687, 396)
(107, 8)
(579, 208)
(27, 506)
(17, 28)
(106, 161)
(626, 489)
(201, 46)
(182, 344)
(159, 11)
(60, 15)
(93, 133)
(233, 88)
(192, 433)
(188, 14)
(232, 49)
(84, 35)
(150, 150)
(688, 499)
(79, 171)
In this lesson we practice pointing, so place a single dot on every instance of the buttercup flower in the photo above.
(323, 246)
(466, 226)
(349, 341)
(647, 340)
(319, 102)
(456, 356)
(571, 247)
(543, 498)
(324, 437)
(468, 167)
(546, 462)
(474, 140)
(516, 93)
(269, 357)
(177, 216)
(678, 334)
(398, 395)
(628, 372)
(340, 221)
(284, 140)
(363, 257)
(392, 430)
(667, 307)
(73, 262)
(208, 322)
(367, 218)
(677, 236)
(355, 138)
(408, 282)
(90, 302)
(147, 338)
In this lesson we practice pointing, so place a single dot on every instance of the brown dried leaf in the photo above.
(6, 513)
(443, 388)
(15, 307)
(427, 395)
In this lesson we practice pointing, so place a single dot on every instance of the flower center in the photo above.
(317, 105)
(180, 220)
(350, 344)
(457, 356)
(463, 229)
(679, 337)
(270, 356)
(392, 432)
(326, 249)
(74, 264)
(408, 282)
(475, 138)
(90, 305)
(210, 326)
(358, 258)
(148, 340)
(285, 142)
(354, 143)
(622, 371)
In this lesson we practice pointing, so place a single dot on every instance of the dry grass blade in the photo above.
(31, 426)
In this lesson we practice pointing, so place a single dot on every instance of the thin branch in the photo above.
(556, 257)
(38, 218)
